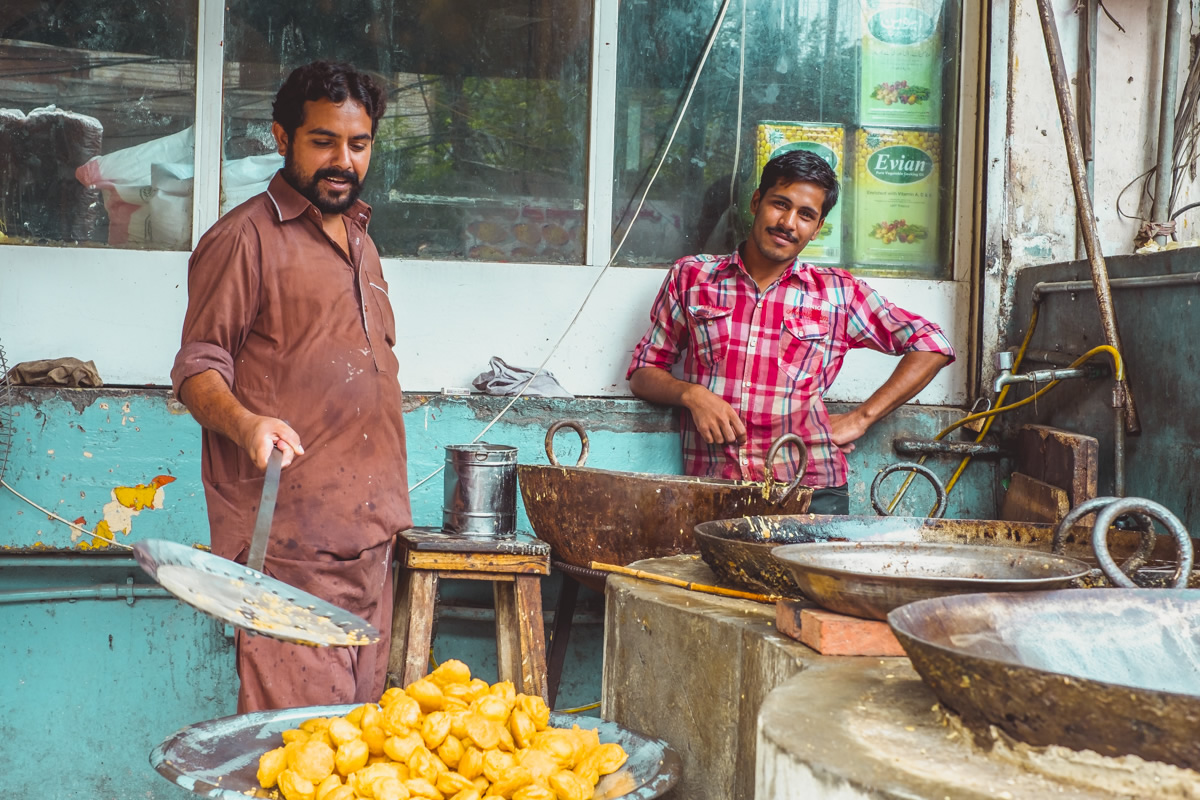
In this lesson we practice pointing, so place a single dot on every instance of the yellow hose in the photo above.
(1119, 374)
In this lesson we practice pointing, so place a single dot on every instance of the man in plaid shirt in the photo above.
(762, 336)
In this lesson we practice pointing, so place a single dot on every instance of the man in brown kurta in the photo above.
(289, 320)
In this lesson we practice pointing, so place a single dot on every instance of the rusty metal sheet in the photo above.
(588, 514)
(1115, 671)
(739, 550)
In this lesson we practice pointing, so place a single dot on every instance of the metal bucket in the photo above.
(480, 494)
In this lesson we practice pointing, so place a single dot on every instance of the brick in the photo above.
(833, 634)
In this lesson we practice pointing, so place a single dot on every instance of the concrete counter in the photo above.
(756, 715)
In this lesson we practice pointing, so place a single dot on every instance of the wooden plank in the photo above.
(431, 539)
(1061, 458)
(1031, 500)
(488, 563)
(412, 627)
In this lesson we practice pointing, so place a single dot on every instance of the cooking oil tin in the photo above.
(896, 197)
(901, 62)
(480, 490)
(827, 141)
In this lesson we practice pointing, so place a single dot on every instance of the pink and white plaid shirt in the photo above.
(771, 355)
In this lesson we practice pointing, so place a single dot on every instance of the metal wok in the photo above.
(587, 514)
(869, 579)
(739, 550)
(1112, 671)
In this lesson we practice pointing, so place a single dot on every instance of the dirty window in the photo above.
(97, 101)
(482, 153)
(869, 84)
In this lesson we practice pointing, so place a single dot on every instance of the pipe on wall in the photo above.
(1163, 174)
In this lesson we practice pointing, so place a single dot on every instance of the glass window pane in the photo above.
(870, 84)
(482, 152)
(97, 102)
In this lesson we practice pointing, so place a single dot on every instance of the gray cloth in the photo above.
(56, 372)
(505, 379)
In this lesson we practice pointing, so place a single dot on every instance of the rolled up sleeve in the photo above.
(224, 288)
(878, 324)
(667, 336)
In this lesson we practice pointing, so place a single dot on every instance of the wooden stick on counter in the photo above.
(689, 585)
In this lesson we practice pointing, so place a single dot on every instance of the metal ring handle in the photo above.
(909, 466)
(574, 425)
(768, 468)
(1126, 505)
(1091, 506)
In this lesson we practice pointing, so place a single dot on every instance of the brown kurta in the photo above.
(302, 333)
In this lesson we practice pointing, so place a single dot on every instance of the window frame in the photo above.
(619, 306)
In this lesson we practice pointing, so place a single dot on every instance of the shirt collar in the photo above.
(290, 204)
(800, 270)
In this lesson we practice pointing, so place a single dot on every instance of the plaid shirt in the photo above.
(771, 355)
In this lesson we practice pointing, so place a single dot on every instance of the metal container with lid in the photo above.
(480, 490)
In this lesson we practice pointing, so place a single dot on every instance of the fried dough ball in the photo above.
(533, 791)
(270, 764)
(569, 786)
(328, 785)
(447, 736)
(449, 672)
(314, 760)
(295, 787)
(400, 748)
(427, 693)
(351, 757)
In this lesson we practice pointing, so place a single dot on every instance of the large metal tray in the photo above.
(739, 550)
(1115, 671)
(869, 579)
(219, 758)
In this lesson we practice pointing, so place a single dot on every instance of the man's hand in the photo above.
(214, 406)
(846, 429)
(715, 419)
(260, 435)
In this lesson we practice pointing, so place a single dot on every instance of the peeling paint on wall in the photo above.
(126, 503)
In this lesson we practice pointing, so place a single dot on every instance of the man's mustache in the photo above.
(348, 175)
(783, 233)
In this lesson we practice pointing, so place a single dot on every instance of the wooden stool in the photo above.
(515, 567)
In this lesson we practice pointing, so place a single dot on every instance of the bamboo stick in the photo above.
(689, 585)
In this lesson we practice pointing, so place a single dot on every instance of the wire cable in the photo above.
(712, 37)
(68, 523)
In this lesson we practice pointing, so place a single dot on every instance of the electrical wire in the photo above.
(712, 37)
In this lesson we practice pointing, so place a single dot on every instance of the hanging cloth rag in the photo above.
(505, 379)
(56, 372)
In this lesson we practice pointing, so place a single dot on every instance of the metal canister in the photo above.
(480, 490)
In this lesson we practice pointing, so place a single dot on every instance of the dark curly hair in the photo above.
(329, 81)
(801, 166)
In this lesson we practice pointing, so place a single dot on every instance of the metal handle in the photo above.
(1087, 507)
(1126, 505)
(266, 510)
(908, 466)
(768, 468)
(574, 425)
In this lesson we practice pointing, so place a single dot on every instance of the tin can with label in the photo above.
(896, 196)
(827, 141)
(900, 62)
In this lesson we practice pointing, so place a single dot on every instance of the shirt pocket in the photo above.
(710, 332)
(803, 342)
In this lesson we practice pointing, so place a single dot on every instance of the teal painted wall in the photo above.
(102, 681)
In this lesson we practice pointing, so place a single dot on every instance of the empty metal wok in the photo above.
(739, 550)
(1112, 671)
(869, 579)
(587, 514)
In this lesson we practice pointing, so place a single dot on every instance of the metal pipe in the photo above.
(1087, 101)
(116, 561)
(1163, 175)
(472, 614)
(1083, 199)
(1050, 357)
(1118, 404)
(106, 591)
(1139, 282)
(910, 447)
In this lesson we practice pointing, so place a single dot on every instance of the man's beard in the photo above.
(311, 189)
